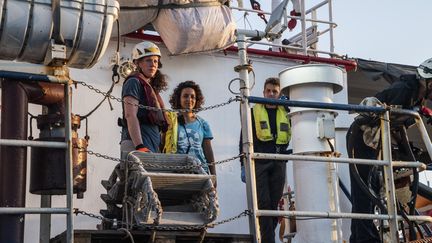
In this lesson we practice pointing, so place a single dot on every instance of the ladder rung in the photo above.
(17, 210)
(179, 182)
(16, 142)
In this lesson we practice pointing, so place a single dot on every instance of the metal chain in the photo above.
(227, 160)
(110, 96)
(76, 211)
(156, 166)
(167, 228)
(247, 212)
(99, 155)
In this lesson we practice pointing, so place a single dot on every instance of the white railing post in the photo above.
(388, 177)
(246, 125)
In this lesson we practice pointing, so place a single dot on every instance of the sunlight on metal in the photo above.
(290, 47)
(14, 210)
(314, 214)
(308, 104)
(32, 77)
(46, 144)
(408, 164)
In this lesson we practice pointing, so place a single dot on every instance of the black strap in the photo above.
(187, 137)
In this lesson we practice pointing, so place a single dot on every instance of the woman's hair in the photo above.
(159, 82)
(175, 96)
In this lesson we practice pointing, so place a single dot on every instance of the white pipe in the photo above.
(424, 135)
(278, 27)
(311, 130)
(246, 122)
(16, 210)
(407, 164)
(390, 190)
(47, 144)
(335, 215)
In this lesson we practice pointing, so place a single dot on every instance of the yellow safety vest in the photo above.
(170, 146)
(262, 124)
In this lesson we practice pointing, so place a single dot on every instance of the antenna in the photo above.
(276, 16)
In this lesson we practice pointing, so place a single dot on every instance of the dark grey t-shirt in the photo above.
(149, 133)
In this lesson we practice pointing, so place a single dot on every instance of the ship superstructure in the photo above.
(244, 60)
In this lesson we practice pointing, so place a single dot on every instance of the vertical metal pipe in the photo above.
(45, 220)
(13, 160)
(303, 26)
(277, 28)
(68, 159)
(388, 177)
(333, 184)
(331, 27)
(424, 135)
(246, 121)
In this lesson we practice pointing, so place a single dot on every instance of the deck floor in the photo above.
(113, 236)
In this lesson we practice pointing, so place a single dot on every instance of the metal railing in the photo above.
(250, 156)
(306, 16)
(45, 208)
(387, 162)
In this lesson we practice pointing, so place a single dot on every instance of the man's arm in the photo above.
(131, 111)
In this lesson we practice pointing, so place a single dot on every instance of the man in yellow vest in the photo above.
(271, 134)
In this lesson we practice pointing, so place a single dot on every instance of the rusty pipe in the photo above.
(13, 160)
(15, 98)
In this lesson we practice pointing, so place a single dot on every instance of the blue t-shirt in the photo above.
(190, 139)
(149, 133)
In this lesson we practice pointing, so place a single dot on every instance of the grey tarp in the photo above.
(185, 26)
(372, 77)
(389, 71)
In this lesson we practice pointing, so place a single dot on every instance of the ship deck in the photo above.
(113, 236)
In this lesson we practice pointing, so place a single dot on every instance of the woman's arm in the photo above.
(131, 111)
(208, 153)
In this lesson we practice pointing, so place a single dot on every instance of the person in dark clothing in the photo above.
(363, 137)
(271, 134)
(141, 127)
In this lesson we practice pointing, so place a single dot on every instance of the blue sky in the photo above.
(383, 30)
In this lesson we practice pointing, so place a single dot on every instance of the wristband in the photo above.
(139, 146)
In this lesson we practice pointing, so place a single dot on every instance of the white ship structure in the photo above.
(62, 68)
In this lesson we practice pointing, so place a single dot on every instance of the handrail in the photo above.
(387, 162)
(336, 215)
(406, 164)
(320, 105)
(291, 47)
(19, 210)
(68, 210)
(32, 77)
(302, 18)
(30, 143)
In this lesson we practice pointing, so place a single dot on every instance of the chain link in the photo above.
(247, 212)
(149, 165)
(110, 96)
(167, 228)
(227, 160)
(99, 155)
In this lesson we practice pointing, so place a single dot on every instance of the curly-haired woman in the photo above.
(189, 133)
